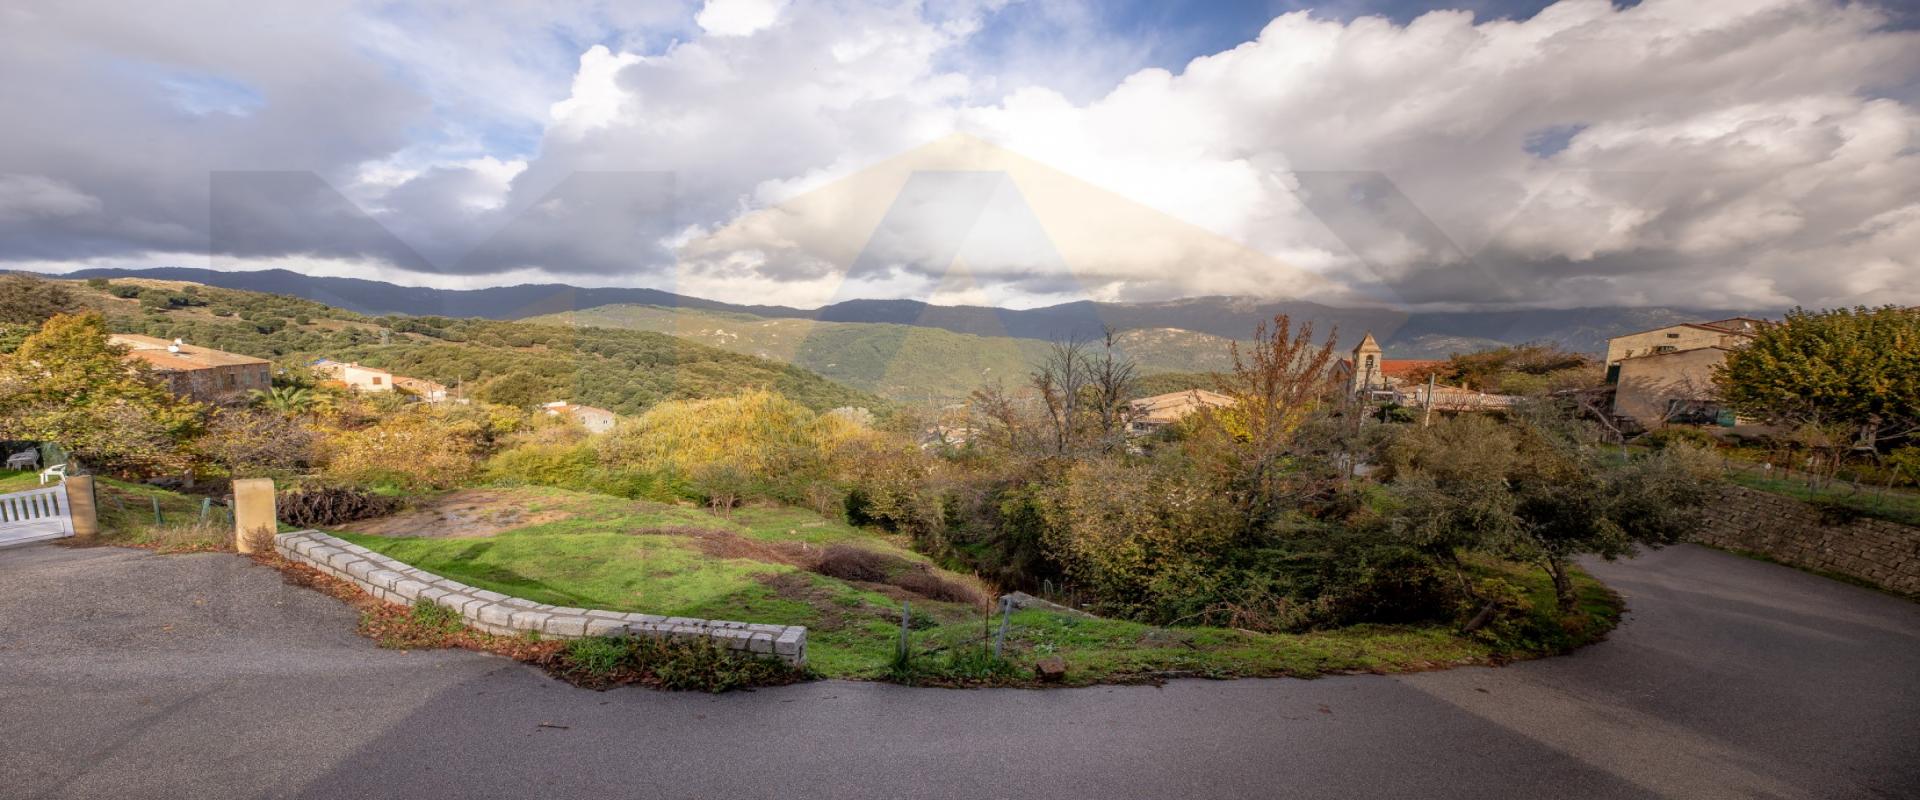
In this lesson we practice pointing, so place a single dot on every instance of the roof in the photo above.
(328, 364)
(564, 407)
(1174, 405)
(1717, 326)
(1368, 343)
(160, 353)
(1736, 324)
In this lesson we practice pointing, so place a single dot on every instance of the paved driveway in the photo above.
(124, 674)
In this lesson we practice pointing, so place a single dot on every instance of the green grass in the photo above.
(628, 555)
(1893, 505)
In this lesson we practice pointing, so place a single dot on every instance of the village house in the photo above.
(595, 420)
(355, 376)
(427, 390)
(1666, 374)
(359, 377)
(1724, 334)
(1149, 414)
(199, 373)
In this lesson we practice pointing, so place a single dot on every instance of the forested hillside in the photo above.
(1416, 334)
(626, 371)
(900, 362)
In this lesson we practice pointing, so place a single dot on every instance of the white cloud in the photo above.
(738, 17)
(1716, 152)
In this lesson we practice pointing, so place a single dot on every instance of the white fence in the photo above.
(34, 516)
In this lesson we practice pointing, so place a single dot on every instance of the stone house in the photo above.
(355, 376)
(1666, 374)
(427, 390)
(199, 373)
(1653, 390)
(1724, 333)
(1149, 414)
(595, 420)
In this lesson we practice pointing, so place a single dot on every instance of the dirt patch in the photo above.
(727, 544)
(797, 586)
(467, 513)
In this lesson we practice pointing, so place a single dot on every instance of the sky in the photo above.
(1754, 154)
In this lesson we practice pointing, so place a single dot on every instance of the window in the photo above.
(227, 380)
(376, 380)
(1665, 348)
(1673, 336)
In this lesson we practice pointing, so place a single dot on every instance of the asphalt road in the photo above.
(124, 674)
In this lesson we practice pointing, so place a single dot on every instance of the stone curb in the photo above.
(492, 612)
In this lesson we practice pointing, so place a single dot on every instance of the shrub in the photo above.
(574, 466)
(415, 447)
(258, 443)
(1676, 434)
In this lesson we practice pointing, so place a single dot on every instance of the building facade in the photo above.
(355, 376)
(198, 373)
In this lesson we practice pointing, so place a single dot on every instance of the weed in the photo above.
(965, 665)
(676, 664)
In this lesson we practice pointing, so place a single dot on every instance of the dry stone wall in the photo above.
(493, 612)
(1884, 553)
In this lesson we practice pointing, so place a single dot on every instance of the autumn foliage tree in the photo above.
(1276, 384)
(69, 384)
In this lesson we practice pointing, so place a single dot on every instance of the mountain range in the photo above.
(1403, 334)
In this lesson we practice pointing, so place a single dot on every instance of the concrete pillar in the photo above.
(81, 507)
(253, 512)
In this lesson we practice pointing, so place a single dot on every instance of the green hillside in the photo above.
(626, 371)
(901, 362)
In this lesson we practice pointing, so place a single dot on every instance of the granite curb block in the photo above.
(493, 612)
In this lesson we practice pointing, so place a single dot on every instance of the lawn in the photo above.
(603, 552)
(1894, 505)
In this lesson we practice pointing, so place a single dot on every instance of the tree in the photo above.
(519, 389)
(1858, 368)
(1060, 379)
(30, 300)
(1276, 386)
(68, 384)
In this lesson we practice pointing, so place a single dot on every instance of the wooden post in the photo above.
(253, 512)
(81, 507)
(1006, 611)
(1427, 421)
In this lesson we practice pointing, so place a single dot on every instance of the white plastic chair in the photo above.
(55, 471)
(25, 459)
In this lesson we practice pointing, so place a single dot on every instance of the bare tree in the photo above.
(1059, 379)
(1112, 378)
